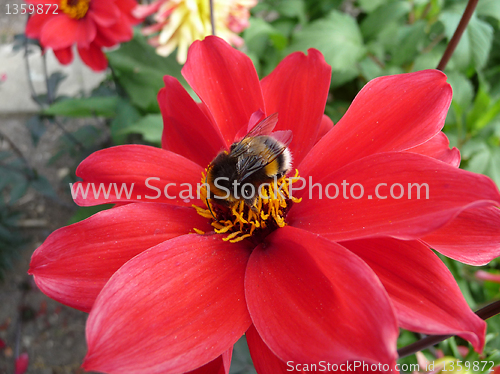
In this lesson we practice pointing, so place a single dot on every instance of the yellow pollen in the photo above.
(74, 8)
(240, 221)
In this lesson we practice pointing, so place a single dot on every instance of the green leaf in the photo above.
(53, 83)
(411, 40)
(36, 127)
(340, 77)
(85, 212)
(463, 91)
(126, 115)
(140, 71)
(18, 189)
(293, 9)
(481, 38)
(318, 8)
(372, 25)
(428, 60)
(370, 69)
(481, 104)
(483, 160)
(337, 36)
(488, 116)
(494, 170)
(84, 107)
(261, 34)
(43, 186)
(475, 44)
(489, 8)
(150, 127)
(370, 5)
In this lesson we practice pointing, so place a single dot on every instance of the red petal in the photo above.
(103, 40)
(264, 361)
(171, 309)
(60, 32)
(35, 24)
(220, 365)
(105, 13)
(390, 113)
(472, 237)
(325, 126)
(121, 31)
(297, 90)
(136, 164)
(186, 129)
(86, 32)
(450, 190)
(312, 300)
(425, 295)
(75, 262)
(22, 363)
(65, 55)
(93, 57)
(438, 147)
(226, 81)
(127, 7)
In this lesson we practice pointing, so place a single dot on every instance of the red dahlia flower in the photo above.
(91, 24)
(334, 284)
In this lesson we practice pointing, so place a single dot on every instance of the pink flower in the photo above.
(484, 275)
(90, 24)
(334, 284)
(180, 22)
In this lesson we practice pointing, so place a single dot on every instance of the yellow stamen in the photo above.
(240, 221)
(74, 8)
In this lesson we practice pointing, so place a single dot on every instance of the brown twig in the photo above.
(484, 313)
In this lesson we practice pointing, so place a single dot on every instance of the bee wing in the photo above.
(255, 163)
(255, 128)
(284, 136)
(264, 127)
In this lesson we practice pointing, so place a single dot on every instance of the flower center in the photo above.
(240, 221)
(75, 8)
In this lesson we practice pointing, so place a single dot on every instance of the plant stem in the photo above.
(462, 25)
(70, 136)
(50, 99)
(212, 17)
(34, 96)
(17, 151)
(484, 313)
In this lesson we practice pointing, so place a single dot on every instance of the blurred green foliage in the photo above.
(361, 40)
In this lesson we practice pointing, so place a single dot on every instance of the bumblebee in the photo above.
(260, 157)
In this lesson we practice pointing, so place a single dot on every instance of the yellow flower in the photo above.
(181, 22)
